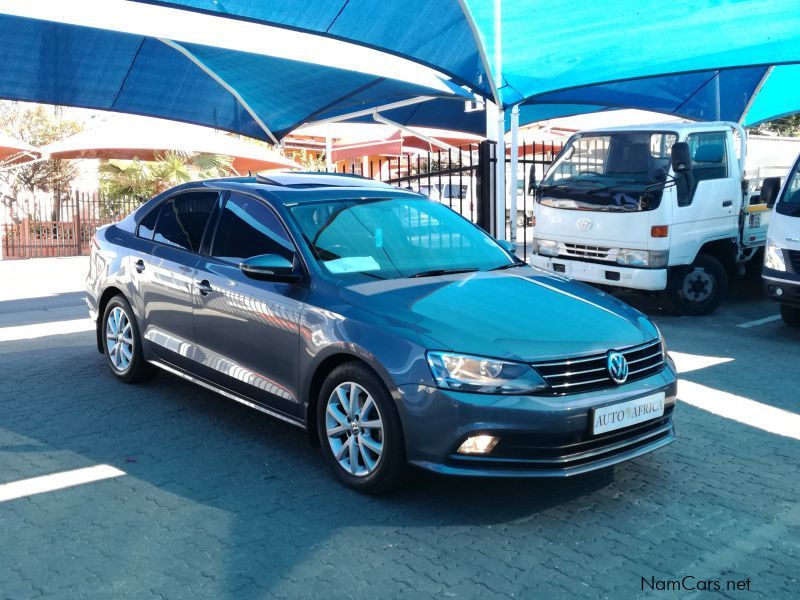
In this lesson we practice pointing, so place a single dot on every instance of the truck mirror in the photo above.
(769, 190)
(681, 158)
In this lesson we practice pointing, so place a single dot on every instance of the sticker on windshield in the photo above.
(379, 237)
(352, 264)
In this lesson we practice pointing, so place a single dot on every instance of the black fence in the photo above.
(464, 179)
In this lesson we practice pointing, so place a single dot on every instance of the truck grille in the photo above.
(585, 374)
(794, 258)
(582, 251)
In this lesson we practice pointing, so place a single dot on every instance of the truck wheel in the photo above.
(521, 220)
(700, 288)
(790, 315)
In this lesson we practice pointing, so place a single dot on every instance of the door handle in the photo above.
(139, 265)
(727, 203)
(204, 287)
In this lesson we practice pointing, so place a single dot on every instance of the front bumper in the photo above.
(782, 286)
(540, 436)
(603, 274)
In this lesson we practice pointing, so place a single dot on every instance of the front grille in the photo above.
(581, 251)
(585, 374)
(794, 258)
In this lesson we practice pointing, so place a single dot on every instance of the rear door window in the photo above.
(182, 220)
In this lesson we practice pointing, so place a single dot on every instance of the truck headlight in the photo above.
(545, 247)
(643, 258)
(466, 373)
(773, 257)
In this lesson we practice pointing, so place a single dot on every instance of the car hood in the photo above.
(520, 313)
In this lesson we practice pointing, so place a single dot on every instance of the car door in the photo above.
(712, 210)
(165, 277)
(247, 330)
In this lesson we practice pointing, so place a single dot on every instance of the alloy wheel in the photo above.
(354, 428)
(119, 339)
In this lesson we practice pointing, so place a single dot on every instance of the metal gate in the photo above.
(464, 179)
(59, 224)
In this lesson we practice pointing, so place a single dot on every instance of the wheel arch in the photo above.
(321, 370)
(724, 250)
(105, 297)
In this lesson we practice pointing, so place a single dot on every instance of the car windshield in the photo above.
(791, 195)
(389, 238)
(609, 170)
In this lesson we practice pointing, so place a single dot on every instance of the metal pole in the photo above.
(500, 177)
(512, 182)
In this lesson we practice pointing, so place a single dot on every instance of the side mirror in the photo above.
(269, 267)
(509, 247)
(681, 158)
(769, 190)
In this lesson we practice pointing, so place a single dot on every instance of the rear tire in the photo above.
(790, 315)
(359, 430)
(122, 344)
(700, 288)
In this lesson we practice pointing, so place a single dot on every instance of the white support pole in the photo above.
(500, 177)
(512, 182)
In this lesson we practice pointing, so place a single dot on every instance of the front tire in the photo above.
(359, 430)
(790, 315)
(699, 288)
(122, 344)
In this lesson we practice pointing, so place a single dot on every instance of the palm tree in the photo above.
(145, 179)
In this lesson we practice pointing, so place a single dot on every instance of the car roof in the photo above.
(297, 187)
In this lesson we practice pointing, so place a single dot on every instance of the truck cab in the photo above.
(781, 272)
(661, 208)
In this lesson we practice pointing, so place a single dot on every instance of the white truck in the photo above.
(781, 271)
(665, 208)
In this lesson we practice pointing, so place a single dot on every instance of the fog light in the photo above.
(478, 444)
(779, 291)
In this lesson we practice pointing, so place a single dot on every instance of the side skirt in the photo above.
(226, 393)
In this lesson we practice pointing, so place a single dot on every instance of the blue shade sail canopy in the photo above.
(778, 97)
(435, 33)
(545, 46)
(252, 94)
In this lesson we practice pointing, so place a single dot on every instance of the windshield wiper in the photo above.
(520, 263)
(610, 187)
(434, 272)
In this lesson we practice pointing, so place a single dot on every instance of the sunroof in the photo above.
(313, 180)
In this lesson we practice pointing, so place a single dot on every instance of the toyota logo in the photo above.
(617, 367)
(584, 224)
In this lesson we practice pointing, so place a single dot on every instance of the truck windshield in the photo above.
(622, 170)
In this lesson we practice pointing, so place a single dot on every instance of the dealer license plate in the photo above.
(625, 414)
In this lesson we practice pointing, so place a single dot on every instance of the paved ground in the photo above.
(221, 502)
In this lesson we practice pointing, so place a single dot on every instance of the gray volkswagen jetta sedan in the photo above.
(392, 329)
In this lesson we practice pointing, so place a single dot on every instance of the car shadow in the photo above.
(173, 438)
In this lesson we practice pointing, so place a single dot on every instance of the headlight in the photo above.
(545, 247)
(467, 373)
(773, 257)
(643, 258)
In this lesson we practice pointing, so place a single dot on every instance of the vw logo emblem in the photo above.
(617, 367)
(584, 224)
